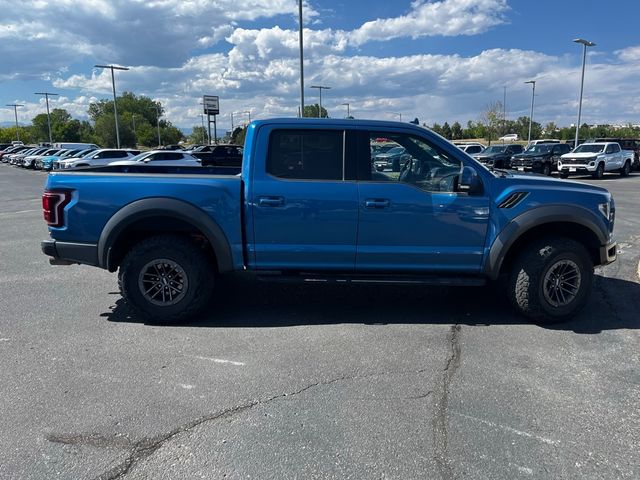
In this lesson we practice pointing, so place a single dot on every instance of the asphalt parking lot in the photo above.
(311, 381)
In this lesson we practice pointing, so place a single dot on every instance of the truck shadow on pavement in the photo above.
(247, 303)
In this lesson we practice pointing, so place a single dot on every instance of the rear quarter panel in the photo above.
(98, 196)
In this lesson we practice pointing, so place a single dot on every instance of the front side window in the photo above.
(413, 160)
(306, 154)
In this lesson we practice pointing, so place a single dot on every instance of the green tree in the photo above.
(312, 111)
(238, 135)
(446, 131)
(198, 135)
(105, 131)
(491, 119)
(437, 128)
(456, 131)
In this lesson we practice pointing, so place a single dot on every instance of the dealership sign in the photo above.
(211, 104)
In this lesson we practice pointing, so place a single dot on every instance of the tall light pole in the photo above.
(396, 113)
(15, 110)
(115, 107)
(135, 135)
(46, 96)
(301, 60)
(533, 95)
(204, 129)
(320, 88)
(585, 44)
(348, 115)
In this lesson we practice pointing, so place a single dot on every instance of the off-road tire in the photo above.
(599, 173)
(564, 175)
(527, 278)
(195, 264)
(626, 169)
(546, 169)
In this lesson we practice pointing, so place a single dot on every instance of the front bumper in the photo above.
(608, 253)
(577, 169)
(67, 252)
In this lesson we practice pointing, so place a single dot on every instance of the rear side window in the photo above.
(306, 154)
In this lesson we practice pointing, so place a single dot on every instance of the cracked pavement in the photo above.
(299, 381)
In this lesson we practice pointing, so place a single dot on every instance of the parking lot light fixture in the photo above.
(46, 96)
(347, 105)
(15, 111)
(398, 114)
(533, 96)
(320, 88)
(585, 44)
(113, 86)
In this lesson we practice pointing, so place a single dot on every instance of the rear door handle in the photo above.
(271, 201)
(376, 203)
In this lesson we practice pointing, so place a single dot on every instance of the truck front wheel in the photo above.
(166, 279)
(551, 280)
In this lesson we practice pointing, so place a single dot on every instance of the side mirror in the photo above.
(470, 181)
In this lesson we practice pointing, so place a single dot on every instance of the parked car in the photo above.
(540, 158)
(95, 158)
(632, 144)
(226, 155)
(470, 148)
(30, 160)
(4, 154)
(18, 158)
(445, 220)
(510, 137)
(393, 158)
(164, 157)
(595, 159)
(498, 156)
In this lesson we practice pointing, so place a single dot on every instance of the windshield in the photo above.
(396, 150)
(585, 148)
(141, 156)
(495, 149)
(539, 149)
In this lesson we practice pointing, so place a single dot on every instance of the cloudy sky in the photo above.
(438, 60)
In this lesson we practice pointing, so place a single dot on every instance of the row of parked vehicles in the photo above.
(86, 155)
(594, 157)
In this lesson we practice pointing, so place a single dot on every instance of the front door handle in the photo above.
(271, 201)
(376, 203)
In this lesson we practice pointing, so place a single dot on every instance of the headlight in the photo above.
(605, 209)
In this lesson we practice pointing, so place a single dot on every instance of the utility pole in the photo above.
(115, 107)
(533, 96)
(46, 96)
(301, 59)
(585, 44)
(320, 88)
(348, 115)
(504, 112)
(15, 110)
(135, 135)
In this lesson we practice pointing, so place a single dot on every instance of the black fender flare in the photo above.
(164, 207)
(535, 218)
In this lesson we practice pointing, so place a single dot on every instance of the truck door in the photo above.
(304, 200)
(414, 220)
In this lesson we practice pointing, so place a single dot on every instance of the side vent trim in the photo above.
(513, 200)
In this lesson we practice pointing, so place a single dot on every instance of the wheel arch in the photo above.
(150, 216)
(559, 220)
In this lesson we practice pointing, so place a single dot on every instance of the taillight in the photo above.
(53, 203)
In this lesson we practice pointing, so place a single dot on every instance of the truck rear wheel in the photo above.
(626, 169)
(166, 279)
(551, 280)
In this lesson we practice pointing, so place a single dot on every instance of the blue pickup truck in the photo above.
(309, 203)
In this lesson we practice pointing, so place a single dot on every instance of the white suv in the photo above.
(595, 159)
(97, 158)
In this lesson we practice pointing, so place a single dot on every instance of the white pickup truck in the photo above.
(595, 159)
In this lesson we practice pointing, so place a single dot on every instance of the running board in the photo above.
(433, 280)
